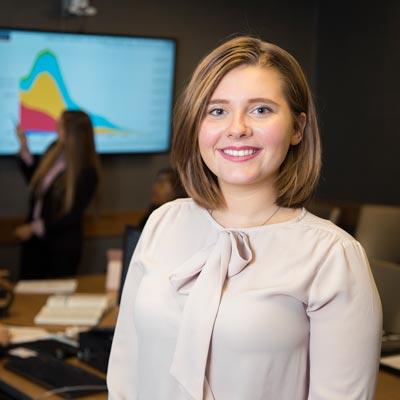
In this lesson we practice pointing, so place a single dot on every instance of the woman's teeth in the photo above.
(239, 153)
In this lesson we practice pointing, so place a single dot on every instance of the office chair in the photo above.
(378, 230)
(387, 279)
(129, 241)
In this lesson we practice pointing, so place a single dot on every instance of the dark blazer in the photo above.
(57, 253)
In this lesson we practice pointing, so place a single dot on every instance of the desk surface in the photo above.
(23, 311)
(25, 308)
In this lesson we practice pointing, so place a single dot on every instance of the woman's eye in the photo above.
(216, 112)
(261, 110)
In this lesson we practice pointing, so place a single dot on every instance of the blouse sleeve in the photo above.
(345, 326)
(122, 366)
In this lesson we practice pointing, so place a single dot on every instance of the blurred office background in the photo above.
(350, 51)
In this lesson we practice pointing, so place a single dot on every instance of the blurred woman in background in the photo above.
(61, 183)
(167, 186)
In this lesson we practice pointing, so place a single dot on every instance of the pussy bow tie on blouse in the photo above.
(202, 277)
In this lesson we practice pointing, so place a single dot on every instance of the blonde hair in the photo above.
(79, 151)
(299, 172)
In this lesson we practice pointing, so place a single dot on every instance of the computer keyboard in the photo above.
(50, 347)
(56, 374)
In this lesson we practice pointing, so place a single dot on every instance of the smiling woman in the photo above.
(277, 86)
(239, 292)
(247, 130)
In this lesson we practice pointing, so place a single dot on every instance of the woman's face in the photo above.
(248, 128)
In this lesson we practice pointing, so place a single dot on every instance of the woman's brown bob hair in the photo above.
(299, 171)
(78, 148)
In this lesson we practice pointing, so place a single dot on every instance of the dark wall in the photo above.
(358, 66)
(197, 26)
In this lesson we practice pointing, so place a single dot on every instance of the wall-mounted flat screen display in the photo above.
(124, 83)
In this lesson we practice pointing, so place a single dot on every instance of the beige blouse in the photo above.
(286, 311)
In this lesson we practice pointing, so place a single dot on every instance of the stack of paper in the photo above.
(20, 334)
(76, 309)
(46, 286)
(391, 361)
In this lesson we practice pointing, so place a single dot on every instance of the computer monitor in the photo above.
(124, 83)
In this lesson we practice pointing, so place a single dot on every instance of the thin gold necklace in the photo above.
(270, 217)
(265, 222)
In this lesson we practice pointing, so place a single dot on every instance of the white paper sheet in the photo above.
(46, 286)
(391, 361)
(19, 334)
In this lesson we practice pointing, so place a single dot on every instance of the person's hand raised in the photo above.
(20, 133)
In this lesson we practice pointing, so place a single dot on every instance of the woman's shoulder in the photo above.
(174, 219)
(174, 209)
(325, 228)
(331, 244)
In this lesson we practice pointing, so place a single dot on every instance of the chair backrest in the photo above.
(326, 211)
(378, 230)
(387, 279)
(129, 241)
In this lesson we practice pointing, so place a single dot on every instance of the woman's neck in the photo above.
(248, 206)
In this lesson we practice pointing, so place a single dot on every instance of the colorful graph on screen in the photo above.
(44, 95)
(124, 83)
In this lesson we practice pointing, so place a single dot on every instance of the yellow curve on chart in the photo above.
(44, 96)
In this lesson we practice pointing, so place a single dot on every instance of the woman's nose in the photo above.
(239, 127)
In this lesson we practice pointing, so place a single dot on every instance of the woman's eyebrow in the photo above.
(218, 101)
(262, 100)
(250, 101)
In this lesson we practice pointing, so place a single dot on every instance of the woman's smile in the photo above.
(239, 154)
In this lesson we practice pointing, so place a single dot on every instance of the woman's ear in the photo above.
(297, 135)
